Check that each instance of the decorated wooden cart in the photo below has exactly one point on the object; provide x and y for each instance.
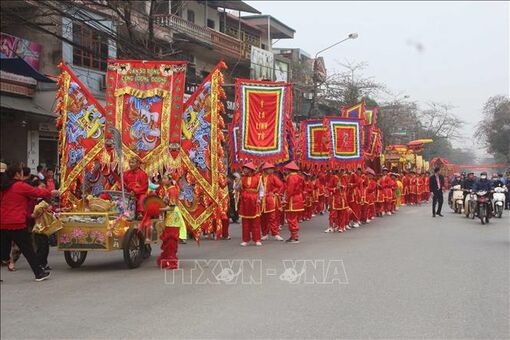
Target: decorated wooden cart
(85, 231)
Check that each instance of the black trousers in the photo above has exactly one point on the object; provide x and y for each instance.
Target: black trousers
(42, 248)
(437, 199)
(24, 242)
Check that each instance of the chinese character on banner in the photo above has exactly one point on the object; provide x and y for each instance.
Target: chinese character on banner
(145, 102)
(264, 118)
(344, 142)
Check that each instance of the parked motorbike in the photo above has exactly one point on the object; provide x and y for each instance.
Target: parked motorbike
(498, 198)
(457, 201)
(483, 205)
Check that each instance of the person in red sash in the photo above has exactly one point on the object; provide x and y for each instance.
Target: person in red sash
(272, 188)
(321, 193)
(252, 193)
(413, 188)
(427, 185)
(392, 183)
(386, 186)
(137, 182)
(294, 204)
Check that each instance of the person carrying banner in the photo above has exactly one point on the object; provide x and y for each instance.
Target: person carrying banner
(250, 201)
(293, 199)
(272, 188)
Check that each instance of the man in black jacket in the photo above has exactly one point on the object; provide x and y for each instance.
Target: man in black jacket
(436, 186)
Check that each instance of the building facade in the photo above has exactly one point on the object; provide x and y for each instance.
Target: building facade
(84, 36)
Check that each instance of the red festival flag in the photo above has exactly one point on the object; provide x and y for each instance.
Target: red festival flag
(145, 102)
(264, 118)
(81, 123)
(344, 141)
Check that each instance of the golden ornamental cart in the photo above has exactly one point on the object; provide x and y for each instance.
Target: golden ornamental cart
(110, 230)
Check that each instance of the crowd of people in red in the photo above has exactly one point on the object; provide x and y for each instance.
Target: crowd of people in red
(268, 198)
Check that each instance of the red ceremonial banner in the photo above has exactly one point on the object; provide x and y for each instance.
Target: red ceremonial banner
(202, 178)
(81, 124)
(264, 118)
(145, 102)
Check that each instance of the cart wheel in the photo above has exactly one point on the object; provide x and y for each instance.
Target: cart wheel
(147, 251)
(134, 248)
(75, 258)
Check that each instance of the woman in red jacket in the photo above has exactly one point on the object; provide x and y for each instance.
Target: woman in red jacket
(14, 197)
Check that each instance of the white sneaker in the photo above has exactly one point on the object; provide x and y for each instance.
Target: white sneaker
(313, 215)
(244, 244)
(329, 230)
(383, 213)
(368, 221)
(355, 225)
(278, 238)
(258, 243)
(389, 213)
(265, 237)
(347, 227)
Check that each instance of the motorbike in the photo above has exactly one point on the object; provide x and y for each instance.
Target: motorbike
(470, 205)
(498, 198)
(457, 200)
(483, 205)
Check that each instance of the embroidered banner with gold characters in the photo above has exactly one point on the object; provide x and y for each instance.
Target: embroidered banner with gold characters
(314, 143)
(264, 112)
(145, 102)
(202, 178)
(81, 124)
(344, 139)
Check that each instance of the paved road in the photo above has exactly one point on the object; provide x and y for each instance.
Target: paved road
(403, 276)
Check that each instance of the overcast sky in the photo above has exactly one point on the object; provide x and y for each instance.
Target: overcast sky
(450, 52)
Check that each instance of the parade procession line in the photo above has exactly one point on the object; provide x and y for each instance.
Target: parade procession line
(401, 276)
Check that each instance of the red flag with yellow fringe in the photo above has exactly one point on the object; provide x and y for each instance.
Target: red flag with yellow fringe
(144, 101)
(81, 124)
(204, 195)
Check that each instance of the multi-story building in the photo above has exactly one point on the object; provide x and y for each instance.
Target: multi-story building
(84, 36)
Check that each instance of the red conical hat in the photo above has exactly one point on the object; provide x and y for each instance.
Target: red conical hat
(292, 166)
(250, 165)
(267, 166)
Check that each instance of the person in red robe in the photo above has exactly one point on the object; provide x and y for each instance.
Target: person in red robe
(404, 196)
(294, 203)
(413, 188)
(252, 193)
(137, 182)
(386, 185)
(272, 188)
(379, 196)
(308, 197)
(371, 190)
(355, 188)
(339, 208)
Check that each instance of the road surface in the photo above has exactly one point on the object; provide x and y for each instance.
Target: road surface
(402, 276)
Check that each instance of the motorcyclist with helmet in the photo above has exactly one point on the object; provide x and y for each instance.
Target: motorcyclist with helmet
(484, 184)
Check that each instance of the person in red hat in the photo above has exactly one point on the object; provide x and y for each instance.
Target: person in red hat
(413, 188)
(308, 198)
(136, 181)
(294, 204)
(370, 198)
(272, 188)
(355, 188)
(250, 202)
(379, 196)
(386, 185)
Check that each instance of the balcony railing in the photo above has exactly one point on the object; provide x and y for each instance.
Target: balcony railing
(223, 43)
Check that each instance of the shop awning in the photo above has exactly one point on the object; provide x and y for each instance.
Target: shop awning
(21, 67)
(23, 105)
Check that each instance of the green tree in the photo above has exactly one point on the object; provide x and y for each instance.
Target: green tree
(494, 128)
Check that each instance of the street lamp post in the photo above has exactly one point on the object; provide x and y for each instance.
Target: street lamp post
(312, 105)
